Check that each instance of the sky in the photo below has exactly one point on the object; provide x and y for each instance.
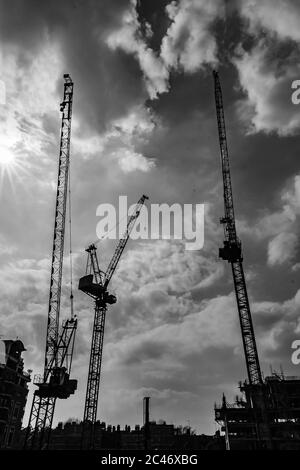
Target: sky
(144, 122)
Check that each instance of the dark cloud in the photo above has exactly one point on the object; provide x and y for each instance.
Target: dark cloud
(153, 13)
(107, 82)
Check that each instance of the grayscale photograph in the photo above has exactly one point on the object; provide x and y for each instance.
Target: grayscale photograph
(149, 229)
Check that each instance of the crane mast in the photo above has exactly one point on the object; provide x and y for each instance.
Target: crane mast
(98, 291)
(55, 382)
(59, 226)
(232, 249)
(232, 252)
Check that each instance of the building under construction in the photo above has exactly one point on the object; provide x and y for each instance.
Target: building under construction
(13, 391)
(241, 421)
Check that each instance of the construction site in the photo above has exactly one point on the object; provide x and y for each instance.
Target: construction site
(265, 416)
(243, 421)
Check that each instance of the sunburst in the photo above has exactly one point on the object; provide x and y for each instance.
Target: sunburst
(11, 167)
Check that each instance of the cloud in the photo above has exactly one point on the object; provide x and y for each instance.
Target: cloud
(280, 227)
(121, 140)
(278, 325)
(107, 82)
(266, 73)
(284, 226)
(129, 38)
(167, 264)
(282, 248)
(173, 342)
(131, 161)
(269, 66)
(280, 17)
(29, 97)
(189, 43)
(126, 135)
(25, 280)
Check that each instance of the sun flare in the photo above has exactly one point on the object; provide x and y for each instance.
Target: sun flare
(7, 158)
(11, 167)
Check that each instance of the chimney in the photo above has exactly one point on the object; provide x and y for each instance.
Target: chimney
(146, 411)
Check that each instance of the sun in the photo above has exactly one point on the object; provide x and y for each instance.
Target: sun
(10, 166)
(7, 158)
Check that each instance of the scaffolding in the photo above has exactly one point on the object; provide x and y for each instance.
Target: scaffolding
(241, 420)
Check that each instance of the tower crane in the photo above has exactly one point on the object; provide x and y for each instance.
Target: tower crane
(232, 252)
(95, 284)
(55, 381)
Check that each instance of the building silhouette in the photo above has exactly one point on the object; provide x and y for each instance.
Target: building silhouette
(161, 436)
(13, 392)
(241, 421)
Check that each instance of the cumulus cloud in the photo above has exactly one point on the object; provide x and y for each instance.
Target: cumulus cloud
(267, 70)
(128, 37)
(131, 161)
(280, 17)
(23, 136)
(189, 42)
(285, 226)
(121, 140)
(196, 332)
(266, 76)
(278, 325)
(280, 227)
(169, 266)
(25, 280)
(282, 248)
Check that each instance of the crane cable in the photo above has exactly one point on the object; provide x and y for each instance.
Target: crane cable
(70, 249)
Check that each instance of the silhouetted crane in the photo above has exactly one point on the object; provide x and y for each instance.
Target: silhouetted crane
(95, 284)
(55, 382)
(232, 252)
